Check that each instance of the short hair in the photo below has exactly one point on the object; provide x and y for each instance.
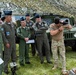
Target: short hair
(56, 20)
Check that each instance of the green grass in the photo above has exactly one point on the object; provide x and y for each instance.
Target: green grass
(35, 68)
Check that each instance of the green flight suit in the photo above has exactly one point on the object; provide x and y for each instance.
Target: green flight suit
(23, 47)
(1, 43)
(33, 46)
(9, 37)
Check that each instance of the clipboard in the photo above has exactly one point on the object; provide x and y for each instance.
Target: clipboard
(1, 61)
(30, 41)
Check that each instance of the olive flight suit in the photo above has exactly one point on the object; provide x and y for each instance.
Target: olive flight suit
(41, 39)
(23, 47)
(9, 37)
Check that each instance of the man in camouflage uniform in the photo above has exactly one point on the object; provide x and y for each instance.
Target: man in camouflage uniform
(1, 43)
(9, 40)
(58, 42)
(40, 28)
(29, 23)
(23, 33)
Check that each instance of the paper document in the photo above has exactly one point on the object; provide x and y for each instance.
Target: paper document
(1, 61)
(30, 41)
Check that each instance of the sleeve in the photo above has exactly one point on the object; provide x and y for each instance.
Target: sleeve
(34, 27)
(5, 40)
(19, 33)
(29, 33)
(68, 26)
(32, 22)
(51, 27)
(37, 31)
(46, 26)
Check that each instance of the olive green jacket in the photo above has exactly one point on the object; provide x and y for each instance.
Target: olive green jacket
(9, 33)
(23, 32)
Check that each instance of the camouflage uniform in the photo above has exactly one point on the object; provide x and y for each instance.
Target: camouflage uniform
(55, 46)
(58, 44)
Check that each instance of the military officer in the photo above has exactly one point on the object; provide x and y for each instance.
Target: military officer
(23, 33)
(9, 40)
(58, 42)
(29, 23)
(40, 28)
(1, 43)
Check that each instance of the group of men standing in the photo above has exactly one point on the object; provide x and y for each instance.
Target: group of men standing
(27, 31)
(37, 31)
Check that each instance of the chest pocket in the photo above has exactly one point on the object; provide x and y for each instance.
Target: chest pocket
(25, 32)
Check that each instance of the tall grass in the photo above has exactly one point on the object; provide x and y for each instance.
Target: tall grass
(36, 68)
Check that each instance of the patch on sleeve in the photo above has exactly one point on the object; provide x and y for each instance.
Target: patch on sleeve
(2, 29)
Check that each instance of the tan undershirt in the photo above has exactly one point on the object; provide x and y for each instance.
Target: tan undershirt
(58, 36)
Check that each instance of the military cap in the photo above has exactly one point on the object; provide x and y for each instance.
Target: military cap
(37, 16)
(0, 14)
(27, 14)
(6, 13)
(22, 19)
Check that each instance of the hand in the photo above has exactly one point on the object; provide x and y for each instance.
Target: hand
(61, 28)
(70, 27)
(26, 39)
(8, 45)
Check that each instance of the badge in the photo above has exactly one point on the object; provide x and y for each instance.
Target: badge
(30, 24)
(7, 33)
(2, 29)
